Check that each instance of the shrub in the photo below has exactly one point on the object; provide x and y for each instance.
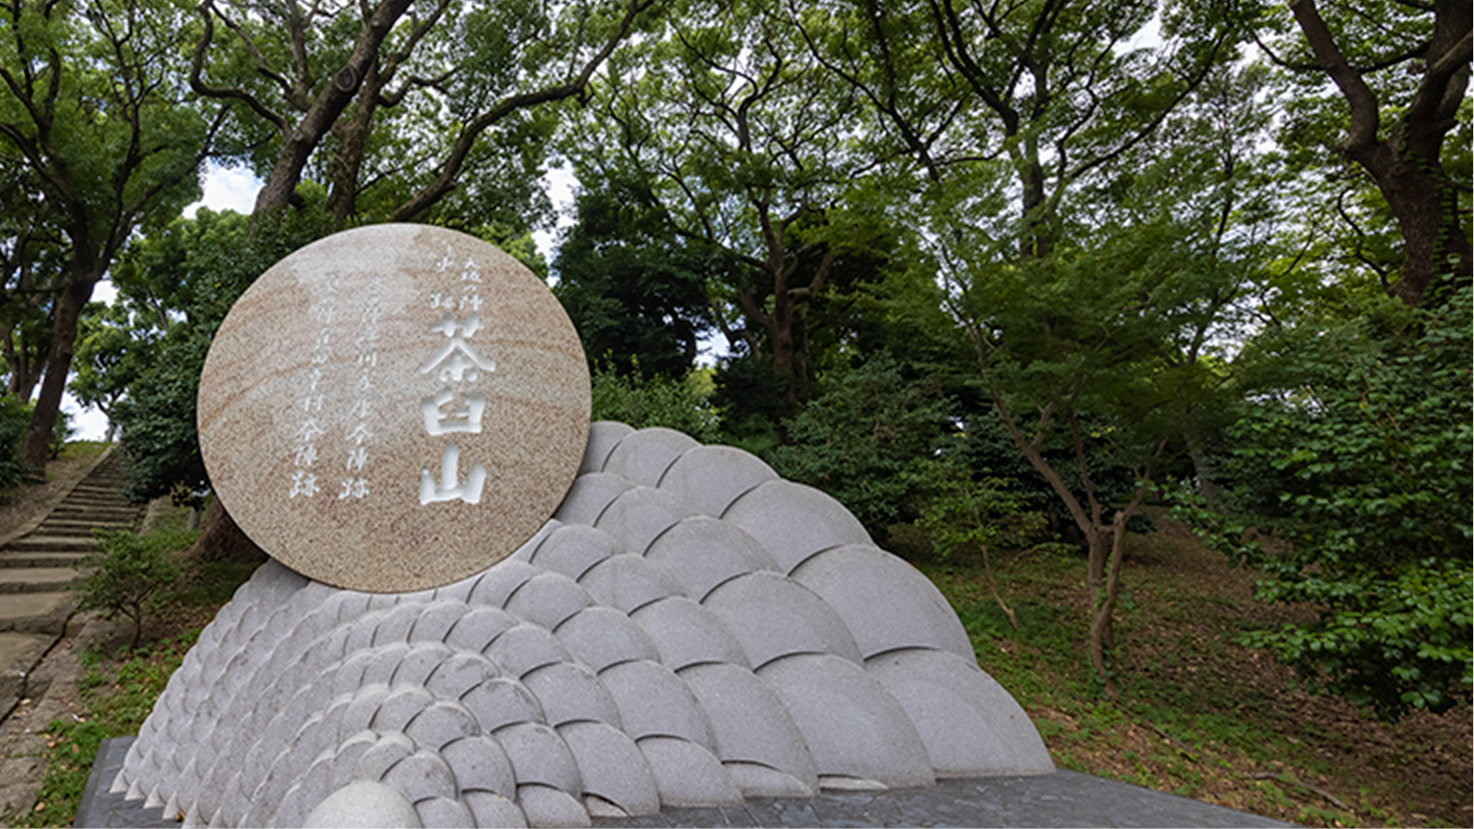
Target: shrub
(874, 440)
(1364, 468)
(130, 573)
(980, 516)
(681, 404)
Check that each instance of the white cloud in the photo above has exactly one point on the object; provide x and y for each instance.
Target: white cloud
(227, 188)
(87, 424)
(559, 184)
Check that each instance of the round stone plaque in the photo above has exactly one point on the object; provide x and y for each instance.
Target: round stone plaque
(394, 408)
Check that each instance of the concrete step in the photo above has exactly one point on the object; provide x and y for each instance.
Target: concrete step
(37, 579)
(36, 612)
(105, 513)
(97, 500)
(112, 485)
(84, 491)
(79, 526)
(103, 480)
(48, 560)
(52, 544)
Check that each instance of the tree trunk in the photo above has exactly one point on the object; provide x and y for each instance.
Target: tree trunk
(1427, 210)
(1201, 468)
(780, 332)
(1102, 621)
(1038, 240)
(1103, 573)
(348, 161)
(20, 383)
(68, 310)
(1405, 160)
(223, 540)
(302, 139)
(1102, 604)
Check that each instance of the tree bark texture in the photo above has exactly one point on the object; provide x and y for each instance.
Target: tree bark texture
(302, 139)
(22, 381)
(87, 268)
(223, 540)
(1405, 161)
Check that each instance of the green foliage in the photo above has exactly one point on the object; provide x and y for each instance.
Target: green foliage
(14, 417)
(118, 697)
(97, 116)
(110, 354)
(1363, 467)
(871, 439)
(726, 133)
(1425, 118)
(994, 461)
(73, 746)
(681, 404)
(753, 401)
(61, 432)
(129, 574)
(635, 295)
(178, 284)
(980, 516)
(158, 421)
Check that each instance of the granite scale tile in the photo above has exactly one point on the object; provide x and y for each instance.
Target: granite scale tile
(394, 408)
(702, 652)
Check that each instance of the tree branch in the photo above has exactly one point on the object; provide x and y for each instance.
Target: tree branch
(198, 84)
(1365, 111)
(445, 179)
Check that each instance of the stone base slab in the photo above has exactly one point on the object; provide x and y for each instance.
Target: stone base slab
(1064, 798)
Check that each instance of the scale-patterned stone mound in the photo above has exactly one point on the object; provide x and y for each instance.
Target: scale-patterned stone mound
(688, 630)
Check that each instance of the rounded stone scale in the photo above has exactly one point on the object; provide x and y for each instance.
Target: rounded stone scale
(394, 408)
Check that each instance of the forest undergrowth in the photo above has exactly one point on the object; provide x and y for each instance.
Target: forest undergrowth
(1198, 714)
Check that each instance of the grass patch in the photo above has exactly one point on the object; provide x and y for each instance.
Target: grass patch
(118, 693)
(82, 450)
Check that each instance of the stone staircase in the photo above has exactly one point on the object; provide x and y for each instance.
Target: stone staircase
(37, 568)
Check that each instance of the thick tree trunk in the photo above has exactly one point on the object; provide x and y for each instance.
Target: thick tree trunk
(1405, 161)
(1038, 241)
(21, 382)
(1426, 206)
(348, 161)
(68, 310)
(785, 346)
(302, 139)
(223, 540)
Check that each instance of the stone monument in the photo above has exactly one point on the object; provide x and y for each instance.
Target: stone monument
(686, 629)
(393, 408)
